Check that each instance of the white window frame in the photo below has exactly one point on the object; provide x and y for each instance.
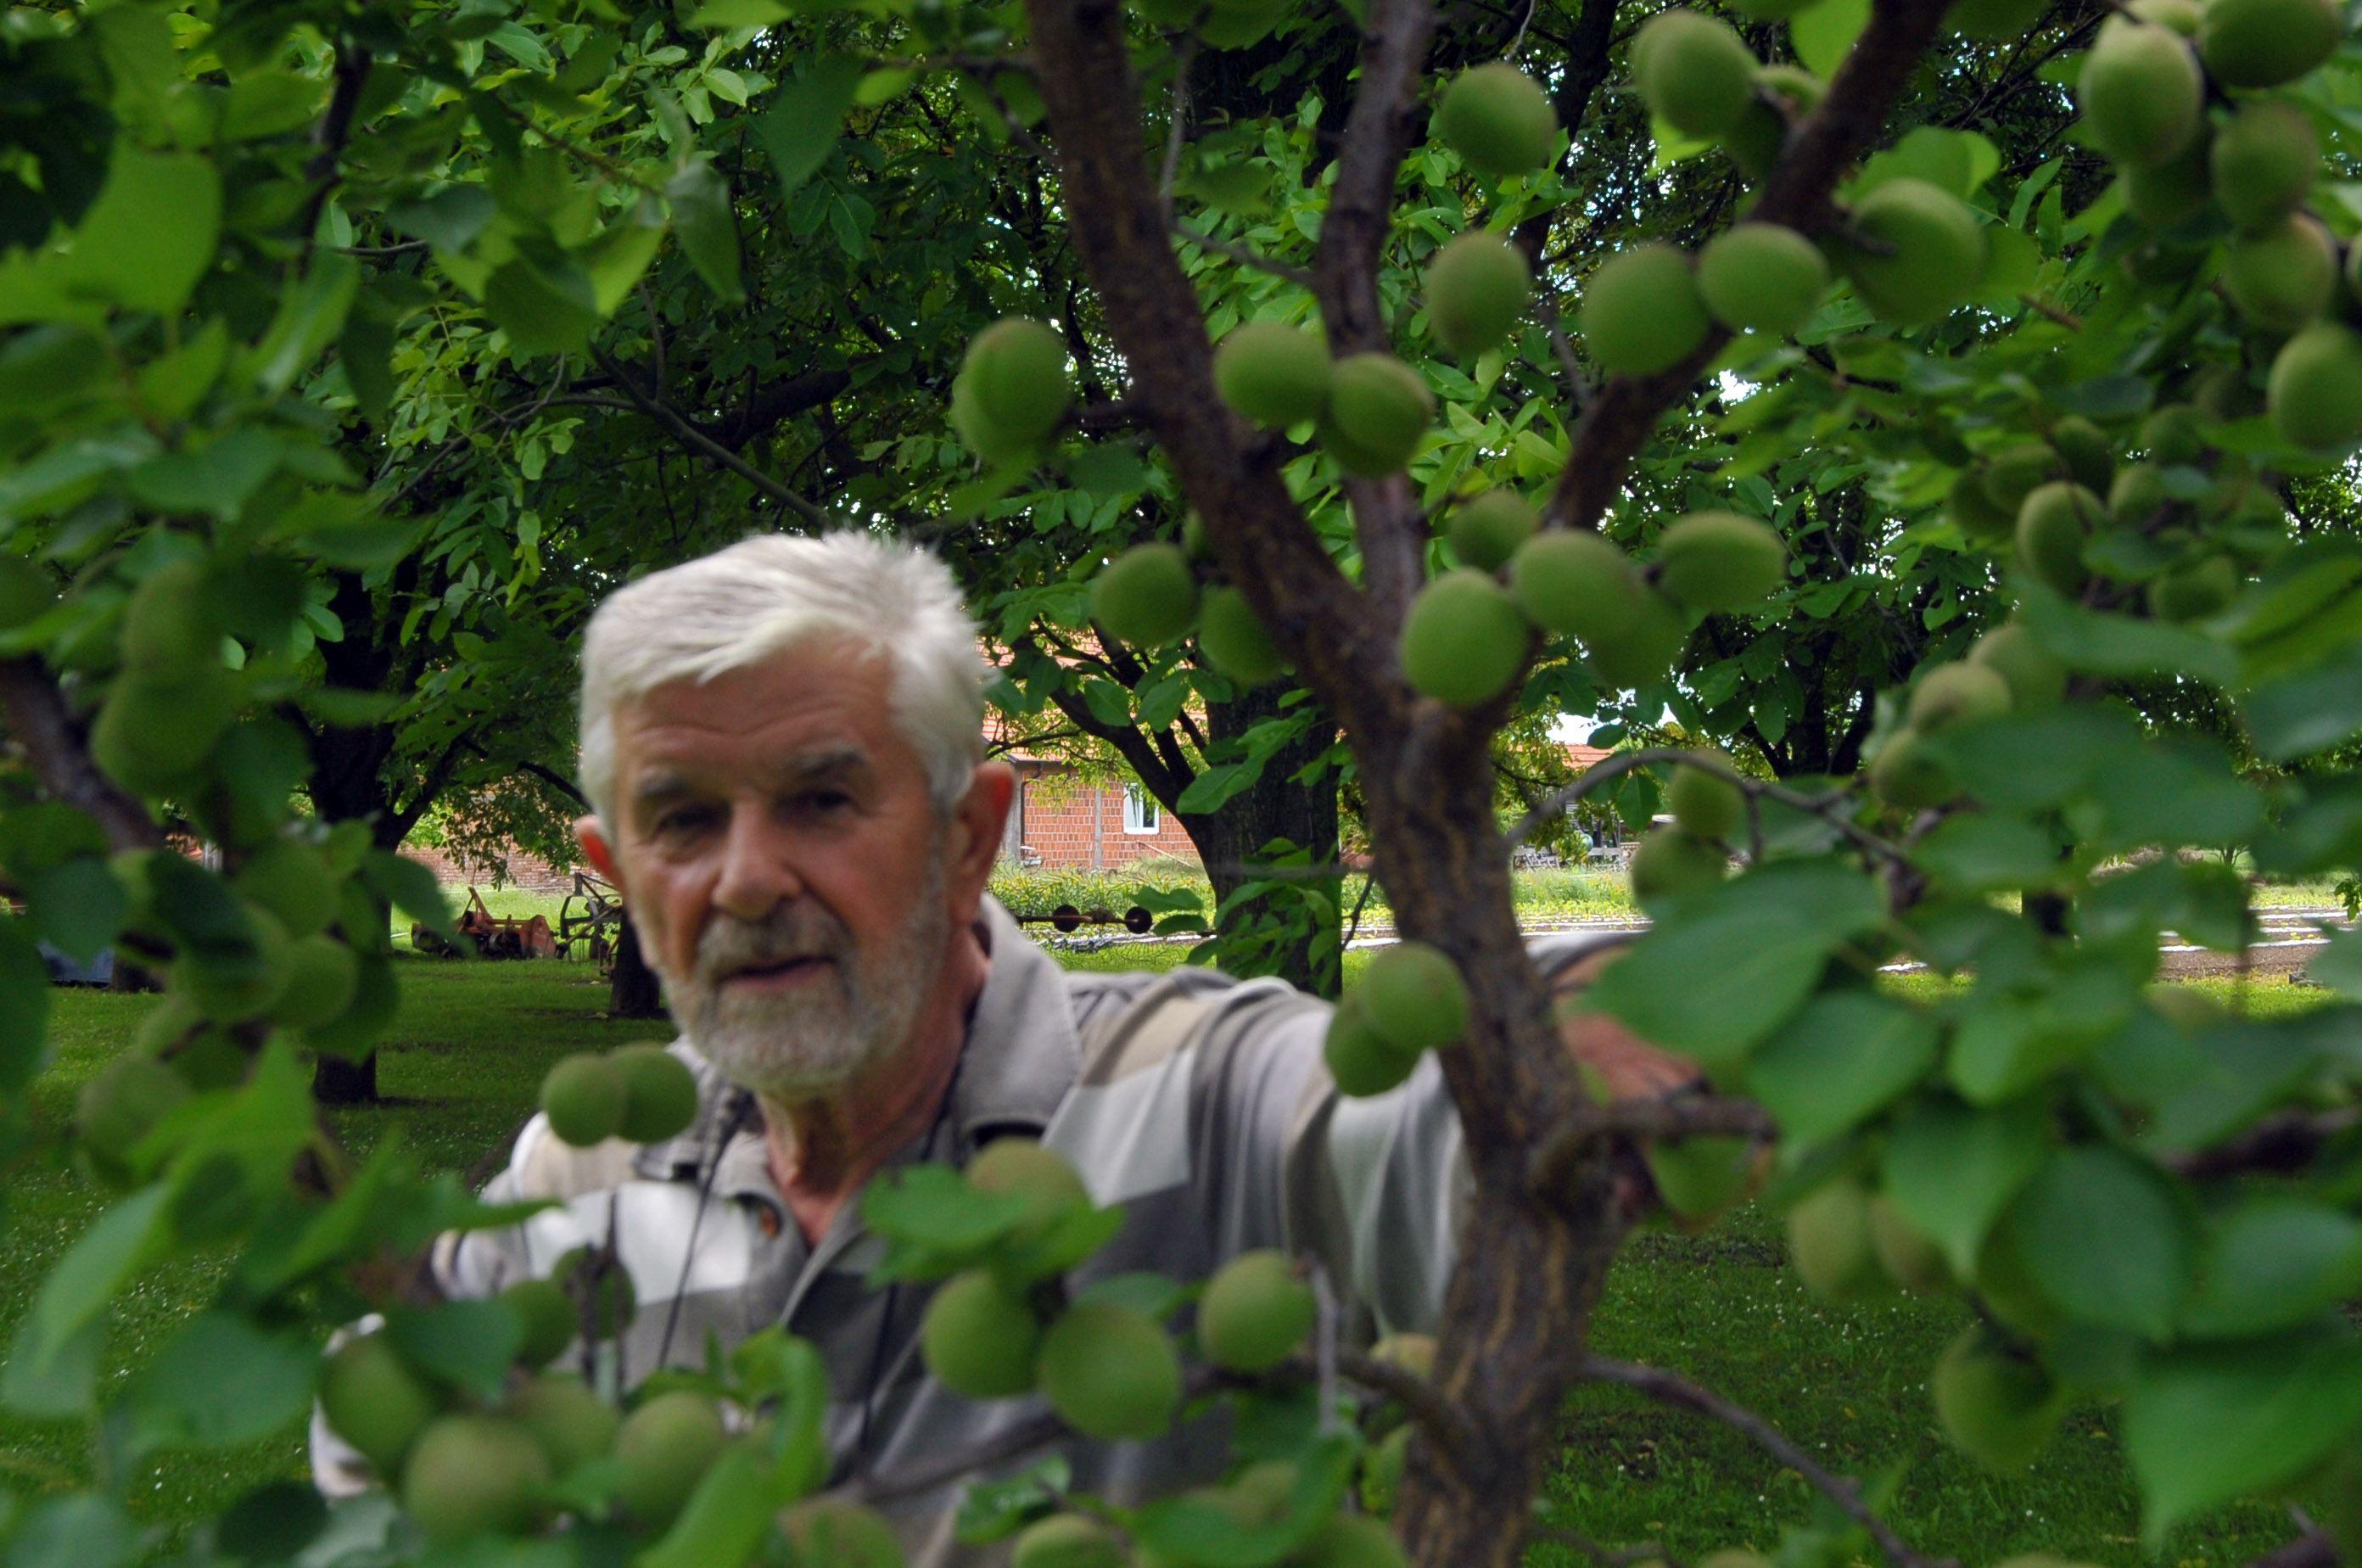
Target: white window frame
(1141, 813)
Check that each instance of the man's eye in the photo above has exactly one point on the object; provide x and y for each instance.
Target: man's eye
(825, 801)
(684, 819)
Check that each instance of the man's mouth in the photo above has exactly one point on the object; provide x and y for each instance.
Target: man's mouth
(776, 971)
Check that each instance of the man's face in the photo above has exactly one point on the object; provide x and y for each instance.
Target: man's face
(784, 865)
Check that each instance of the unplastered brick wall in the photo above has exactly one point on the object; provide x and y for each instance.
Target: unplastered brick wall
(1072, 822)
(530, 872)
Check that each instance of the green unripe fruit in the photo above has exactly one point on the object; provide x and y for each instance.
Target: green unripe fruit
(1488, 529)
(841, 1535)
(291, 879)
(323, 974)
(1273, 373)
(1973, 508)
(1254, 1312)
(2011, 473)
(1720, 561)
(2160, 196)
(1908, 775)
(2263, 163)
(548, 1314)
(572, 1425)
(1234, 639)
(1378, 413)
(373, 1401)
(1067, 1540)
(2283, 276)
(1756, 142)
(1016, 386)
(1925, 253)
(1415, 1353)
(1696, 74)
(230, 990)
(2051, 528)
(470, 1475)
(1994, 18)
(583, 1098)
(1705, 804)
(1477, 286)
(659, 1093)
(1354, 1540)
(1360, 1059)
(154, 733)
(123, 1102)
(1465, 639)
(1996, 1407)
(1761, 277)
(1414, 997)
(2140, 93)
(665, 1446)
(1641, 311)
(603, 1285)
(2084, 448)
(1110, 1373)
(2262, 43)
(1647, 646)
(978, 1340)
(2170, 435)
(2137, 495)
(1574, 580)
(2196, 591)
(1958, 694)
(2314, 396)
(2181, 15)
(1195, 542)
(1023, 1168)
(27, 592)
(1829, 1239)
(2034, 678)
(1670, 863)
(168, 624)
(1700, 1178)
(1910, 1259)
(1145, 596)
(1497, 120)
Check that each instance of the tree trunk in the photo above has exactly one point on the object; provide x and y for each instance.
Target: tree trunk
(345, 786)
(1235, 841)
(634, 992)
(338, 1080)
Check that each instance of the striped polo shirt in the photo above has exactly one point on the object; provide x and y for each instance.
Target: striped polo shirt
(1199, 1103)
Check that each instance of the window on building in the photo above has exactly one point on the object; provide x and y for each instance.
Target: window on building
(1140, 812)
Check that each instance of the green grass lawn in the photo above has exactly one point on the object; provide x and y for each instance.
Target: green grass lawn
(472, 1041)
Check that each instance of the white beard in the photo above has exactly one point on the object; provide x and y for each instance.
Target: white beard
(790, 1045)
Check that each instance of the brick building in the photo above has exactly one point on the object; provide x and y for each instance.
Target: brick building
(1061, 821)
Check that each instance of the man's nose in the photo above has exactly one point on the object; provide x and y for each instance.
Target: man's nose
(758, 871)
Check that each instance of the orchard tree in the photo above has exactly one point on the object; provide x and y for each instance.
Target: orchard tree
(1425, 488)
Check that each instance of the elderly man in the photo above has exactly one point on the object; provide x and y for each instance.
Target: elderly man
(781, 746)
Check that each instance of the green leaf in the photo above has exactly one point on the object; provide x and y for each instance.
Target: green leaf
(24, 1008)
(221, 1380)
(1823, 33)
(724, 1519)
(801, 124)
(2307, 711)
(2339, 964)
(447, 220)
(310, 318)
(410, 888)
(1839, 1062)
(2037, 760)
(1952, 1170)
(708, 229)
(933, 1207)
(78, 905)
(995, 1510)
(543, 309)
(171, 383)
(2205, 1426)
(469, 1344)
(2004, 1045)
(2273, 1265)
(151, 233)
(1762, 966)
(1980, 853)
(2121, 645)
(2173, 791)
(2101, 1235)
(217, 478)
(618, 258)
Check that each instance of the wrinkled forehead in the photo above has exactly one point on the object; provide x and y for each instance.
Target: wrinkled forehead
(825, 700)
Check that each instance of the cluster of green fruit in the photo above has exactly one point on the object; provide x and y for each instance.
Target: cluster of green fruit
(2007, 670)
(2189, 174)
(643, 1093)
(1369, 411)
(1149, 596)
(1259, 1496)
(1468, 633)
(1410, 1000)
(1012, 390)
(1693, 850)
(171, 700)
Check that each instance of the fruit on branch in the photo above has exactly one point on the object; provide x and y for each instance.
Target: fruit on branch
(1907, 774)
(548, 1314)
(1067, 1540)
(370, 1398)
(1761, 277)
(1025, 1168)
(1360, 1059)
(1463, 640)
(2140, 92)
(1996, 1405)
(2170, 435)
(1970, 505)
(1669, 863)
(2283, 276)
(1234, 639)
(1961, 693)
(1829, 1238)
(1994, 18)
(2034, 678)
(1377, 414)
(2263, 162)
(2314, 395)
(977, 1338)
(583, 1098)
(664, 1448)
(1574, 580)
(572, 1425)
(1641, 312)
(1720, 561)
(1414, 997)
(1784, 93)
(1910, 1259)
(123, 1102)
(1499, 120)
(1694, 71)
(2160, 196)
(1477, 286)
(2263, 43)
(1146, 596)
(2052, 525)
(291, 878)
(231, 988)
(2181, 15)
(169, 622)
(470, 1475)
(1705, 804)
(2091, 462)
(1647, 649)
(323, 974)
(1110, 1373)
(1354, 1540)
(841, 1534)
(2012, 473)
(1254, 1312)
(1273, 373)
(1701, 1177)
(1914, 250)
(2194, 592)
(154, 732)
(1013, 389)
(1486, 530)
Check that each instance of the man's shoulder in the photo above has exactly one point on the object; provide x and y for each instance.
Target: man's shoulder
(1134, 1021)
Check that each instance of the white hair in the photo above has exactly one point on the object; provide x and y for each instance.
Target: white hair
(739, 607)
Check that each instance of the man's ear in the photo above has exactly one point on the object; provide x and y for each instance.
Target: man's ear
(597, 850)
(974, 841)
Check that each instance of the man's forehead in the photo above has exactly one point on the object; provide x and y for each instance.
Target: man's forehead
(809, 707)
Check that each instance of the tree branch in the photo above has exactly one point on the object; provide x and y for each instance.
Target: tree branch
(704, 445)
(37, 718)
(1671, 1117)
(1836, 808)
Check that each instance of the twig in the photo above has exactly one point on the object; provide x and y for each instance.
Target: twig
(696, 440)
(1243, 255)
(1353, 926)
(37, 719)
(1834, 808)
(1674, 1116)
(1452, 1432)
(1671, 1388)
